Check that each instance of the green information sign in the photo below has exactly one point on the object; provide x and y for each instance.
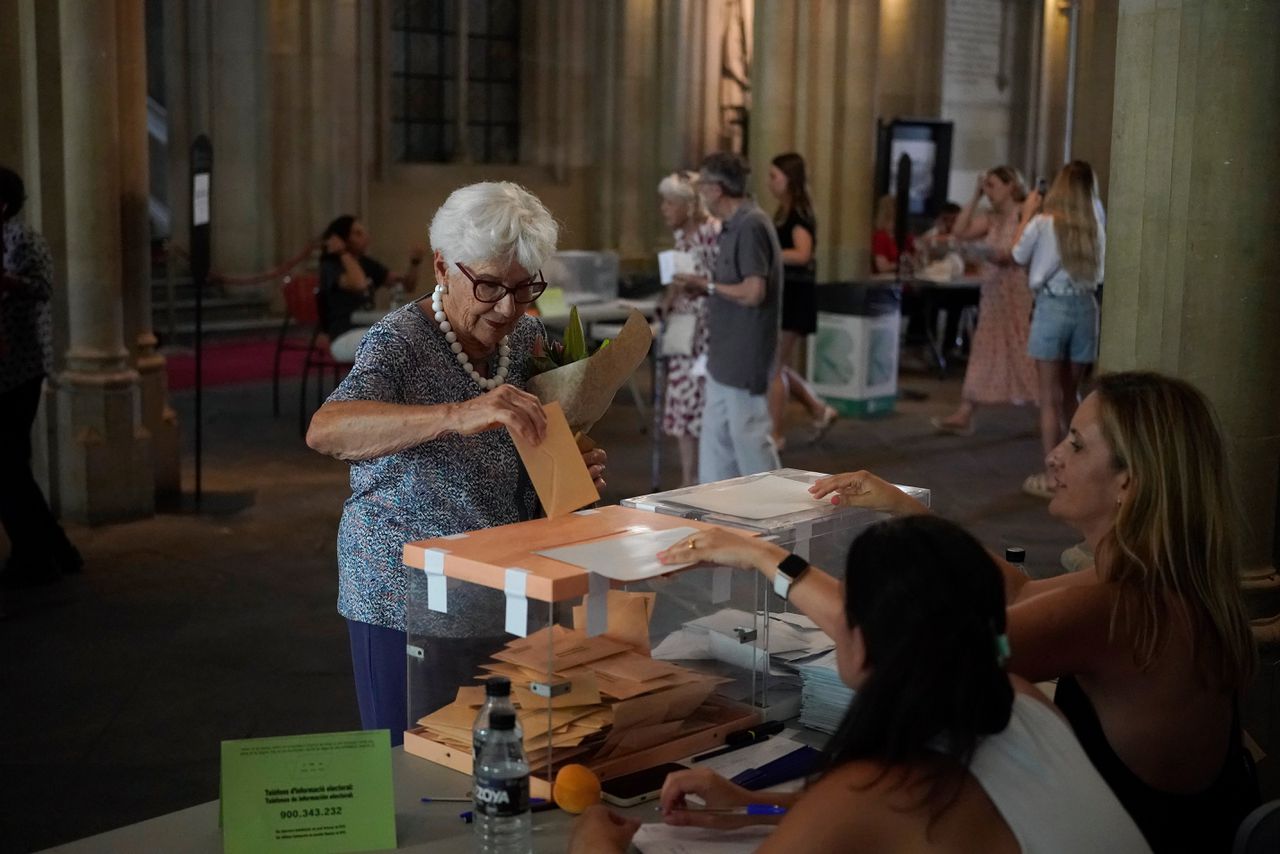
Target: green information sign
(320, 794)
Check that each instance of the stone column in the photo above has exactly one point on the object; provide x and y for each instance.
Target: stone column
(814, 88)
(1190, 290)
(104, 456)
(159, 418)
(1095, 88)
(911, 47)
(242, 229)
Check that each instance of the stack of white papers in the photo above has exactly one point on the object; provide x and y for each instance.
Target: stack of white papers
(792, 643)
(824, 699)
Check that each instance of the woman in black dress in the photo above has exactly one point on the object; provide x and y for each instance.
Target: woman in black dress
(797, 234)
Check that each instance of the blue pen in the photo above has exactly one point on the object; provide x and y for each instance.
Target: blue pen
(749, 809)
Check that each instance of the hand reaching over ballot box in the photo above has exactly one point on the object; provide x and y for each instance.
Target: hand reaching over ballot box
(723, 547)
(864, 489)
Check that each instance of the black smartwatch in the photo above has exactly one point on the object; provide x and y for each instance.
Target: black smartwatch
(790, 570)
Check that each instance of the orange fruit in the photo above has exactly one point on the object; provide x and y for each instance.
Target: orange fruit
(576, 788)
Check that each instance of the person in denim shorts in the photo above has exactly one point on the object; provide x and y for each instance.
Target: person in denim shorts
(1063, 246)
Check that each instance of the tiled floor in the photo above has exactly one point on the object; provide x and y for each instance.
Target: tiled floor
(185, 629)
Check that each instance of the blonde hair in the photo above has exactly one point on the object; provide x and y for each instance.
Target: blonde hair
(886, 212)
(1072, 201)
(1175, 541)
(1012, 177)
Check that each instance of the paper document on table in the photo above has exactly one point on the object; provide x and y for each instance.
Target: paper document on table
(629, 557)
(657, 838)
(672, 263)
(730, 765)
(762, 498)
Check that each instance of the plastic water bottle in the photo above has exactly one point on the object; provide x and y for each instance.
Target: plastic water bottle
(497, 697)
(500, 788)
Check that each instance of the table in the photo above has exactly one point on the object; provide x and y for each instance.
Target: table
(593, 310)
(953, 296)
(427, 828)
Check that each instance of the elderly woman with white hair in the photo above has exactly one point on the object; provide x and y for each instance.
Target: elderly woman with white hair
(425, 418)
(684, 343)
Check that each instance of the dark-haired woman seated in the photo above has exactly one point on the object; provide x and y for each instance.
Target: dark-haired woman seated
(1151, 646)
(941, 750)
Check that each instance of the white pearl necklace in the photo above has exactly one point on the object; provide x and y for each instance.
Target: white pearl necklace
(504, 348)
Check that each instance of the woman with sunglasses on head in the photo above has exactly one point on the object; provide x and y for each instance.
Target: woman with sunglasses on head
(1151, 646)
(425, 418)
(940, 750)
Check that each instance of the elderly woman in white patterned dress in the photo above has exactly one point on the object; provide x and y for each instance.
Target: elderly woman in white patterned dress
(425, 418)
(685, 343)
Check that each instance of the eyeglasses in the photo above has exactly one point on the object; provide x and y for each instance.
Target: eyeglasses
(490, 290)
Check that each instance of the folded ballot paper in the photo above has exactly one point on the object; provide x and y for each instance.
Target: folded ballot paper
(799, 654)
(672, 263)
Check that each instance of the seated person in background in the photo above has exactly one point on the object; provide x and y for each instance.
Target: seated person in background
(348, 278)
(885, 250)
(939, 244)
(1152, 646)
(940, 750)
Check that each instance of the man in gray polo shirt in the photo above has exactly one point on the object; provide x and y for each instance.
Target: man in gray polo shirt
(745, 291)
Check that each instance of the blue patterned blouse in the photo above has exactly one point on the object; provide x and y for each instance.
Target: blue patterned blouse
(447, 486)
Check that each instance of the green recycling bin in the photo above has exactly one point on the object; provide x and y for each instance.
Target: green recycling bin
(853, 357)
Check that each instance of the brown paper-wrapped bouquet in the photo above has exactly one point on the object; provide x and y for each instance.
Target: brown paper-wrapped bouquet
(585, 384)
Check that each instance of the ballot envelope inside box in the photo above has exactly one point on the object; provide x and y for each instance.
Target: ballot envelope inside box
(571, 610)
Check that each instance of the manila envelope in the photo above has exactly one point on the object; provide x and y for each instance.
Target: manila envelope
(556, 468)
(628, 618)
(583, 691)
(565, 653)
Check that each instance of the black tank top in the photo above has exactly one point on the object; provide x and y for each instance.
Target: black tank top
(1205, 821)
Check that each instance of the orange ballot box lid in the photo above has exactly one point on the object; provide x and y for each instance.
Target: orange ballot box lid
(617, 542)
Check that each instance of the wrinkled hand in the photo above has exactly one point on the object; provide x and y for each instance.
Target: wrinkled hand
(504, 406)
(864, 489)
(599, 830)
(716, 793)
(596, 460)
(722, 547)
(333, 244)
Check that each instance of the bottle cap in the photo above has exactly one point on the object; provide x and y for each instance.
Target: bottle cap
(497, 686)
(502, 720)
(1015, 554)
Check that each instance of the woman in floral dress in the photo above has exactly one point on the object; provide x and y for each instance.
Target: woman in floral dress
(999, 371)
(684, 343)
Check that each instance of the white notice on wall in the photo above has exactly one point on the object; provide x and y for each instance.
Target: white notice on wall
(200, 199)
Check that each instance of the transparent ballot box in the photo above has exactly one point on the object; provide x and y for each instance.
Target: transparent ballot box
(776, 505)
(616, 661)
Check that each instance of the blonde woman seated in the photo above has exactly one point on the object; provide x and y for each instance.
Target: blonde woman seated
(1152, 646)
(941, 750)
